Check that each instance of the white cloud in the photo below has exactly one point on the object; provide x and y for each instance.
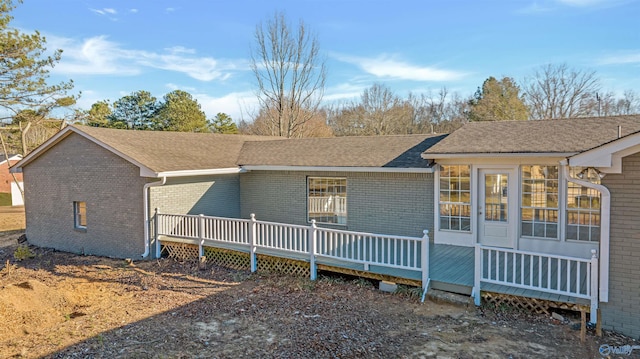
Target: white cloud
(386, 66)
(582, 3)
(343, 92)
(93, 56)
(238, 105)
(105, 11)
(628, 58)
(133, 11)
(536, 8)
(173, 87)
(99, 56)
(594, 3)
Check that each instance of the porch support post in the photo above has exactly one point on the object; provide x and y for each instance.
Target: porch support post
(477, 274)
(424, 260)
(313, 232)
(252, 243)
(200, 235)
(156, 229)
(593, 318)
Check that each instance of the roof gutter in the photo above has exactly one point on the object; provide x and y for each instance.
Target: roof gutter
(145, 172)
(605, 225)
(338, 169)
(145, 195)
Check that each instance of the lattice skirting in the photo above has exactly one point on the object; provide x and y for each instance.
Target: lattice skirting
(181, 251)
(532, 305)
(283, 265)
(228, 258)
(237, 260)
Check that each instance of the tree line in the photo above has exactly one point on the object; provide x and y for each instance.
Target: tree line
(290, 75)
(178, 111)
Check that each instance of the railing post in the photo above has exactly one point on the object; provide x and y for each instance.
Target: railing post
(313, 232)
(252, 243)
(200, 235)
(477, 274)
(156, 229)
(424, 260)
(593, 318)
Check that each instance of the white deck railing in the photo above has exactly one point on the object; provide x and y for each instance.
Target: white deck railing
(563, 275)
(368, 249)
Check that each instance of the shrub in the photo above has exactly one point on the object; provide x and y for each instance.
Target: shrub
(23, 252)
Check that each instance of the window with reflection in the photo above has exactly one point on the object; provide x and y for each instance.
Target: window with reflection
(327, 200)
(455, 198)
(539, 206)
(583, 207)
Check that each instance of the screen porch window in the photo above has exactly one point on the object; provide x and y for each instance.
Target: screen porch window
(583, 207)
(539, 206)
(80, 215)
(327, 200)
(455, 198)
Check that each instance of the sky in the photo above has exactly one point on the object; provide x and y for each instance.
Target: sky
(114, 48)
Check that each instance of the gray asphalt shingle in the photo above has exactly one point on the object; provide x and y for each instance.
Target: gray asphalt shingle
(546, 136)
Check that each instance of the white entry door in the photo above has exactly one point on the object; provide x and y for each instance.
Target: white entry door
(497, 207)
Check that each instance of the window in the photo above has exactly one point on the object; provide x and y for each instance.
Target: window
(539, 207)
(583, 207)
(455, 198)
(327, 200)
(80, 215)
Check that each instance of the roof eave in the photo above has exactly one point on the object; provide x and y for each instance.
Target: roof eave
(338, 169)
(437, 156)
(65, 133)
(608, 157)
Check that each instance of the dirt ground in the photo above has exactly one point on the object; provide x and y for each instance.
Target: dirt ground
(60, 305)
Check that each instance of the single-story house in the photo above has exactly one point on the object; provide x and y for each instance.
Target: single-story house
(7, 182)
(542, 207)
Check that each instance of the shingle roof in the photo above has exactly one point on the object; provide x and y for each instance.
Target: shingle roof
(547, 136)
(402, 151)
(173, 151)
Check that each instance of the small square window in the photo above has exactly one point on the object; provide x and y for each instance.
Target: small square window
(80, 215)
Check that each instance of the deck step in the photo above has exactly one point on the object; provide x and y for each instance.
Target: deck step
(440, 296)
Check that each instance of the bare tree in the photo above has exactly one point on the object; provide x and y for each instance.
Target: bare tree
(290, 75)
(380, 112)
(315, 126)
(610, 105)
(557, 91)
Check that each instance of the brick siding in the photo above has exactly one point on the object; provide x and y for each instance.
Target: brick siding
(385, 203)
(77, 169)
(212, 196)
(6, 178)
(622, 312)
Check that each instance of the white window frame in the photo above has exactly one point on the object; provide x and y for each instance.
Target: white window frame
(459, 204)
(533, 207)
(335, 203)
(593, 230)
(80, 215)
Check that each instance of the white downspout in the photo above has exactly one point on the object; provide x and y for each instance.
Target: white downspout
(605, 225)
(145, 195)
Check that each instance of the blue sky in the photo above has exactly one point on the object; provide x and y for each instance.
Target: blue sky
(113, 48)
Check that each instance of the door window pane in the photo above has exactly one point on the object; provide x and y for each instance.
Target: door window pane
(496, 197)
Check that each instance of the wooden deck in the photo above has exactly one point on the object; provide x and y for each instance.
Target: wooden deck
(452, 269)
